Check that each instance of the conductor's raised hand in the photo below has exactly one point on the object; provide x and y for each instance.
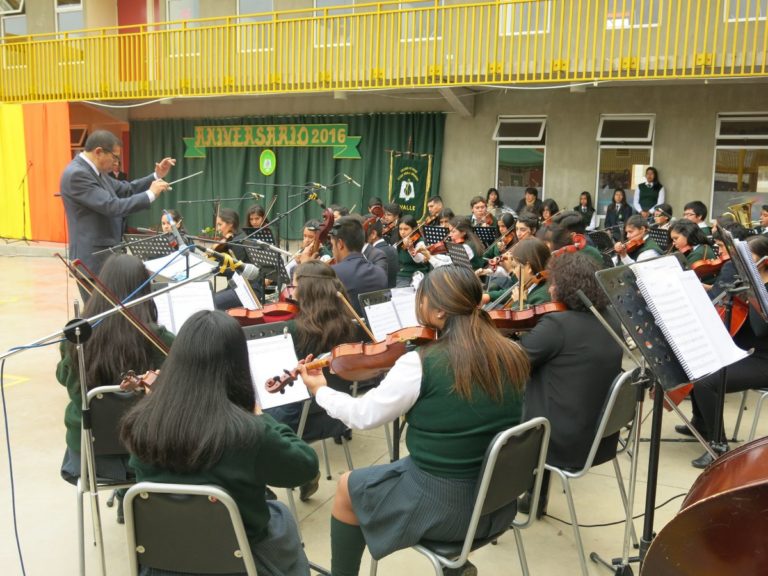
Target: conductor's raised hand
(164, 166)
(158, 187)
(314, 379)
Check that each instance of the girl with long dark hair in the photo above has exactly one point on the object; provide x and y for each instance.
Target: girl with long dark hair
(587, 211)
(201, 425)
(649, 194)
(617, 214)
(465, 385)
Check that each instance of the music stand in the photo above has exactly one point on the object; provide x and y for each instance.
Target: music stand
(268, 260)
(150, 247)
(602, 240)
(487, 234)
(747, 271)
(263, 234)
(661, 237)
(458, 255)
(434, 234)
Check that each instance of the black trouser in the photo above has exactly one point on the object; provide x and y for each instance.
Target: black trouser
(748, 374)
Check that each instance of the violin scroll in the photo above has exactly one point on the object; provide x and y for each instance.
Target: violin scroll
(131, 382)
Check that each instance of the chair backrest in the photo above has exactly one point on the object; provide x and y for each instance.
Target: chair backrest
(618, 412)
(107, 405)
(185, 528)
(513, 464)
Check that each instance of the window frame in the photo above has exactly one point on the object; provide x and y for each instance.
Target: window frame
(628, 194)
(540, 139)
(746, 117)
(628, 23)
(432, 37)
(12, 12)
(728, 19)
(253, 18)
(334, 10)
(69, 9)
(504, 29)
(611, 140)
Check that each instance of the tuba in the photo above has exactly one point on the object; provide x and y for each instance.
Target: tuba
(742, 213)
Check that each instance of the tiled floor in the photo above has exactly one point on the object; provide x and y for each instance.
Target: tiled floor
(35, 300)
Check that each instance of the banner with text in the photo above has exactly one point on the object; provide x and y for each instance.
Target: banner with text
(274, 136)
(410, 179)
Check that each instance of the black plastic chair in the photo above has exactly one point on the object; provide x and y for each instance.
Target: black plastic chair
(186, 528)
(513, 465)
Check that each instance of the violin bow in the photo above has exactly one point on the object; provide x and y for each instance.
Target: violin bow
(356, 316)
(87, 276)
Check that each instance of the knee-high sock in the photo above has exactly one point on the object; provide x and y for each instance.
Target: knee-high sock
(347, 547)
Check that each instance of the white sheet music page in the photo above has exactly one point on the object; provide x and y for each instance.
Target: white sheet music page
(174, 266)
(382, 319)
(404, 300)
(165, 312)
(268, 358)
(689, 323)
(244, 292)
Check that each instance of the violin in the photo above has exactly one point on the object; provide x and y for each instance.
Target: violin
(376, 213)
(221, 245)
(389, 227)
(710, 266)
(275, 312)
(631, 245)
(131, 382)
(579, 243)
(722, 523)
(437, 248)
(288, 294)
(507, 241)
(534, 280)
(360, 361)
(525, 319)
(322, 233)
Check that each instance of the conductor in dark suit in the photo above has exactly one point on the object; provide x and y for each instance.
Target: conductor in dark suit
(95, 204)
(356, 273)
(574, 362)
(376, 240)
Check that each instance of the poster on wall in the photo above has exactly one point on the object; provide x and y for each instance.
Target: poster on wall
(410, 179)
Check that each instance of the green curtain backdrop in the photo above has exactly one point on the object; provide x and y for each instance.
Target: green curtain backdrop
(226, 170)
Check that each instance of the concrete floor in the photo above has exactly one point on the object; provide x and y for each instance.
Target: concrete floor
(35, 300)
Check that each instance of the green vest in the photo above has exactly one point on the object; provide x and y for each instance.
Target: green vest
(648, 196)
(407, 266)
(539, 295)
(448, 435)
(594, 253)
(648, 244)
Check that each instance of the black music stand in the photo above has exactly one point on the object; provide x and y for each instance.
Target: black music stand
(434, 234)
(458, 255)
(263, 234)
(487, 234)
(602, 240)
(661, 237)
(150, 247)
(666, 372)
(268, 260)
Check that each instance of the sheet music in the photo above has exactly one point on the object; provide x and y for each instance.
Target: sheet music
(244, 292)
(176, 269)
(175, 307)
(268, 358)
(754, 276)
(404, 301)
(688, 320)
(383, 319)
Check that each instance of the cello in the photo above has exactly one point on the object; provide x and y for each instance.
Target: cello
(721, 527)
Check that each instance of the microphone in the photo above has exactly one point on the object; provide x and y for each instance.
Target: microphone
(174, 229)
(318, 185)
(257, 196)
(352, 180)
(226, 262)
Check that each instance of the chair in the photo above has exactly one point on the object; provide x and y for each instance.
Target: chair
(758, 407)
(106, 406)
(513, 465)
(619, 411)
(185, 528)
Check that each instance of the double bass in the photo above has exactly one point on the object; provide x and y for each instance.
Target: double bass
(721, 527)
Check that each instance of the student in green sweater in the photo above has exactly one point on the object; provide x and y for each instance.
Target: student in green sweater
(410, 252)
(529, 262)
(688, 238)
(457, 392)
(201, 425)
(115, 347)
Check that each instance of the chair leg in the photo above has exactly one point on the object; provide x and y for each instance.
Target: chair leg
(758, 408)
(624, 501)
(738, 417)
(347, 453)
(433, 559)
(292, 507)
(521, 550)
(574, 521)
(388, 436)
(325, 458)
(80, 530)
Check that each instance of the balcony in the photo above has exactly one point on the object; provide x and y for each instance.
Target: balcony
(389, 45)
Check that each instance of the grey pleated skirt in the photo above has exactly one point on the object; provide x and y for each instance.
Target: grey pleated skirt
(398, 505)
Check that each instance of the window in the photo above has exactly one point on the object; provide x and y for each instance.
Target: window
(632, 13)
(422, 23)
(743, 10)
(11, 7)
(183, 10)
(69, 16)
(520, 154)
(253, 9)
(524, 17)
(332, 31)
(183, 43)
(741, 162)
(255, 38)
(13, 26)
(626, 150)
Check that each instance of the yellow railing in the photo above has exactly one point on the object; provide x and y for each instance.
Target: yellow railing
(388, 45)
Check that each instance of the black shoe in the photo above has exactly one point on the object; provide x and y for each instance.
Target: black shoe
(307, 490)
(685, 431)
(468, 569)
(347, 434)
(706, 459)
